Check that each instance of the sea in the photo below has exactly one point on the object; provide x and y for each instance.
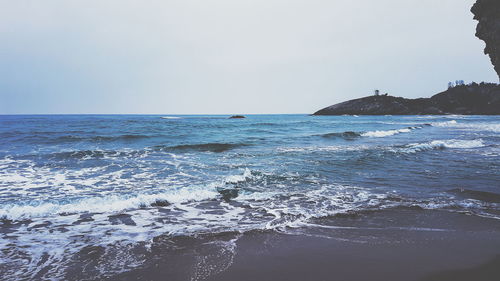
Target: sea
(87, 196)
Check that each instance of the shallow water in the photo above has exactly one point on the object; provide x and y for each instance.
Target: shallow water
(68, 182)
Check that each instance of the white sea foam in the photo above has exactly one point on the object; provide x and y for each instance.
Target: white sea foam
(381, 134)
(300, 207)
(238, 178)
(442, 144)
(445, 124)
(479, 126)
(170, 117)
(177, 191)
(333, 148)
(107, 204)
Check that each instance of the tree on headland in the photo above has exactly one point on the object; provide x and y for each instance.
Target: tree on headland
(456, 84)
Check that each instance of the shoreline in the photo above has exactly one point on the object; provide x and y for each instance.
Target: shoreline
(350, 248)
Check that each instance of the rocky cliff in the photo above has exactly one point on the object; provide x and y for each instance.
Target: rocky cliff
(473, 99)
(487, 13)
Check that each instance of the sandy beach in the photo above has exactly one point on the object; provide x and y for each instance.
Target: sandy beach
(381, 246)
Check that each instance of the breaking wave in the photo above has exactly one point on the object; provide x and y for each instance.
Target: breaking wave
(108, 204)
(119, 203)
(442, 144)
(444, 124)
(350, 135)
(491, 127)
(381, 134)
(92, 154)
(408, 148)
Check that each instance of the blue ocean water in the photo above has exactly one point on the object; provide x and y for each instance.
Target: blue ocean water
(128, 178)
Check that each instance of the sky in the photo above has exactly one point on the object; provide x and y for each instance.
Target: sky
(229, 56)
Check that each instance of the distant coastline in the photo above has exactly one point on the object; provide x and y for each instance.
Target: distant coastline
(471, 99)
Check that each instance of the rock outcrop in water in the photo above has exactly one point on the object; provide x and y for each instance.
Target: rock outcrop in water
(487, 12)
(472, 99)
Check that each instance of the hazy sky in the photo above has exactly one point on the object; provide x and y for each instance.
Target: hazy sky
(229, 56)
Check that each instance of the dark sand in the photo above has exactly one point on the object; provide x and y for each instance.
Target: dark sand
(401, 244)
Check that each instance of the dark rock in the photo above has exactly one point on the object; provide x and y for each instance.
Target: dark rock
(237, 117)
(473, 99)
(228, 194)
(160, 203)
(121, 219)
(487, 13)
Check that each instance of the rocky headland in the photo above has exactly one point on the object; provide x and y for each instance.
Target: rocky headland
(472, 99)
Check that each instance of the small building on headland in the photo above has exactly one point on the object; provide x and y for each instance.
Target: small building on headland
(377, 93)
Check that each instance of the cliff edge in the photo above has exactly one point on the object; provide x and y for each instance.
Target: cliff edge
(487, 13)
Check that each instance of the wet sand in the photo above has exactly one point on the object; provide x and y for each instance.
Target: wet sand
(421, 257)
(386, 245)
